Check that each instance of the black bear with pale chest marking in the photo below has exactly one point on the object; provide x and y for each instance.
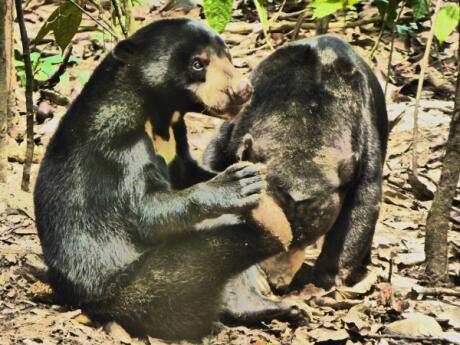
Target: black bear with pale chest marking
(318, 120)
(118, 194)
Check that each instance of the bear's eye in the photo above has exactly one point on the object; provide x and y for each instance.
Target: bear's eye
(197, 65)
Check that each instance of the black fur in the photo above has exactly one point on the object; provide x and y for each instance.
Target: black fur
(116, 224)
(318, 120)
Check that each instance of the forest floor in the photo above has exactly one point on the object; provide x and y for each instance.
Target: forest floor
(390, 301)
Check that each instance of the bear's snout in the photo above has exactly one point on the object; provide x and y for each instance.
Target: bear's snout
(244, 91)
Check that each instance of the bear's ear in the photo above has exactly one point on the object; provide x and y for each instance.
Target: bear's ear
(124, 51)
(298, 195)
(309, 54)
(245, 150)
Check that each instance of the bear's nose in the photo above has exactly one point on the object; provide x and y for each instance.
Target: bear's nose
(245, 90)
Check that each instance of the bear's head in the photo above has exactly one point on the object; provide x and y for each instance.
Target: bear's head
(185, 63)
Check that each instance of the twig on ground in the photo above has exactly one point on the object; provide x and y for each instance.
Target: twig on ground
(295, 32)
(436, 291)
(54, 97)
(404, 337)
(97, 21)
(293, 15)
(241, 28)
(29, 97)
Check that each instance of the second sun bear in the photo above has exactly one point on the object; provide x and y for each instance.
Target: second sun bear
(318, 120)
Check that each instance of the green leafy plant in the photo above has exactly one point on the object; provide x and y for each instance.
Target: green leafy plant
(420, 8)
(64, 23)
(446, 21)
(42, 67)
(388, 10)
(218, 13)
(323, 8)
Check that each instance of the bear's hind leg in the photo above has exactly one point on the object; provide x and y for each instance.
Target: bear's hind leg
(174, 290)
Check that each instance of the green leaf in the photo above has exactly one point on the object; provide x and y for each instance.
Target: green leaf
(324, 8)
(382, 5)
(64, 23)
(22, 77)
(262, 13)
(54, 59)
(34, 57)
(218, 13)
(47, 68)
(446, 21)
(419, 8)
(41, 76)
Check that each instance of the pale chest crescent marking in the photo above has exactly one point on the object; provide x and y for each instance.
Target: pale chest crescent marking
(164, 148)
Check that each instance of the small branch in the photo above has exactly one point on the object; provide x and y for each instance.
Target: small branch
(436, 291)
(116, 8)
(382, 29)
(278, 13)
(293, 15)
(430, 340)
(101, 14)
(102, 25)
(54, 79)
(393, 29)
(241, 27)
(29, 97)
(295, 32)
(423, 65)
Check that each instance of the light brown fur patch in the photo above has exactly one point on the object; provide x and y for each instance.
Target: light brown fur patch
(281, 269)
(221, 80)
(162, 147)
(272, 219)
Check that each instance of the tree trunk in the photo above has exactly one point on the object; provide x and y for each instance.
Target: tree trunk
(437, 225)
(6, 65)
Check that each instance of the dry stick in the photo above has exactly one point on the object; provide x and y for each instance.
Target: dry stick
(117, 10)
(101, 15)
(403, 337)
(98, 22)
(29, 100)
(382, 29)
(278, 13)
(437, 291)
(241, 28)
(423, 66)
(298, 25)
(393, 29)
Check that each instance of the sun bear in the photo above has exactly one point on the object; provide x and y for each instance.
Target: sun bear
(318, 121)
(118, 194)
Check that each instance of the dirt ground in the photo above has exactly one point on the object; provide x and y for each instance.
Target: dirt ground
(390, 305)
